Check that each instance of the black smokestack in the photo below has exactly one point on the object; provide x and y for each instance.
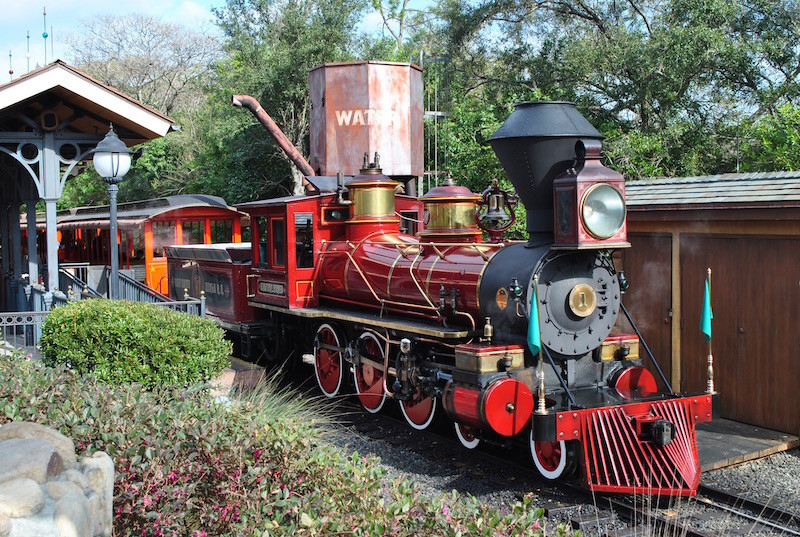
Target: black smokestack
(534, 145)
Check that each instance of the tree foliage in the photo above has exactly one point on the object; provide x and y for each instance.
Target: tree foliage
(158, 63)
(678, 87)
(271, 46)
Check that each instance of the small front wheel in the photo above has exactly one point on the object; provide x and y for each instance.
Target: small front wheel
(553, 459)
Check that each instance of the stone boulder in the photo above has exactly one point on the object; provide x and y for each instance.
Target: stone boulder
(21, 497)
(26, 429)
(33, 458)
(40, 495)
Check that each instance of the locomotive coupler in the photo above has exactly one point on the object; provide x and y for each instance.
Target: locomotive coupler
(660, 431)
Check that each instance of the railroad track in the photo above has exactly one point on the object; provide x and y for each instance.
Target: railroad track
(759, 514)
(711, 513)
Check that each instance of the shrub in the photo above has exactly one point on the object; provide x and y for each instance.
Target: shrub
(190, 467)
(121, 341)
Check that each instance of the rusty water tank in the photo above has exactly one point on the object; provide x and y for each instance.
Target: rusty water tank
(367, 107)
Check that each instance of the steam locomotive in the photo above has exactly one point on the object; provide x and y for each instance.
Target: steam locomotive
(402, 298)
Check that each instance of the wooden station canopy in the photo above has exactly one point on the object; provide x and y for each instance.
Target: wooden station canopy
(50, 120)
(746, 228)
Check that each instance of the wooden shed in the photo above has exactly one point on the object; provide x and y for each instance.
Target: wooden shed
(746, 228)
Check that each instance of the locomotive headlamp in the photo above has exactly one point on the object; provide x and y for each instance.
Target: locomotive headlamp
(602, 211)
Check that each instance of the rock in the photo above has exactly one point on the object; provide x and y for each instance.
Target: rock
(96, 510)
(59, 489)
(26, 429)
(21, 497)
(78, 478)
(5, 525)
(72, 516)
(33, 458)
(99, 470)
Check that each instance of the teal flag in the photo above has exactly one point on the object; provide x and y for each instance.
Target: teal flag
(534, 338)
(706, 315)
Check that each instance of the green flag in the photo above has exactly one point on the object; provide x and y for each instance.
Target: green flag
(534, 338)
(706, 315)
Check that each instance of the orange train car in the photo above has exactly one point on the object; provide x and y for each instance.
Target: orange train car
(145, 229)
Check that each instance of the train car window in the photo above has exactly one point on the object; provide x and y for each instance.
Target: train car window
(409, 222)
(263, 244)
(221, 231)
(192, 231)
(278, 242)
(138, 245)
(304, 239)
(163, 235)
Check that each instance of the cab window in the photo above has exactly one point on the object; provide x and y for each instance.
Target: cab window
(278, 243)
(263, 243)
(304, 240)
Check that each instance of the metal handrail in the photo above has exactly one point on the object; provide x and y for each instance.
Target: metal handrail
(131, 289)
(78, 270)
(79, 287)
(647, 349)
(190, 306)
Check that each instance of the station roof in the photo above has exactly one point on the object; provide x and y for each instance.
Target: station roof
(81, 103)
(730, 190)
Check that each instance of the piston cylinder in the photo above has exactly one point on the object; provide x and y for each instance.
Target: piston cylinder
(503, 406)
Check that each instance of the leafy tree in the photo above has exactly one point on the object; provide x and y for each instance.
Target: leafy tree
(158, 63)
(272, 44)
(667, 82)
(773, 143)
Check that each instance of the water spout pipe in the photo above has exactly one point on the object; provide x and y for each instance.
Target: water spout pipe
(283, 141)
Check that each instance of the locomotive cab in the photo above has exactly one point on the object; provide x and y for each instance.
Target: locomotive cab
(285, 233)
(287, 238)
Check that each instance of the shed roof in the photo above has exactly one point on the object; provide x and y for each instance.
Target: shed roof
(729, 190)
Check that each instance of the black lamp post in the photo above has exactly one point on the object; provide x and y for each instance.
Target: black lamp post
(112, 160)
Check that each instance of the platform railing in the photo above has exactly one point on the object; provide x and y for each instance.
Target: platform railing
(130, 289)
(189, 305)
(77, 288)
(21, 330)
(76, 270)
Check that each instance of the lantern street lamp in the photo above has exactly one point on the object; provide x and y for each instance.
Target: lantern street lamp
(112, 160)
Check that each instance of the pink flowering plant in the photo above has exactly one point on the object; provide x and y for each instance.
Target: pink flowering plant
(188, 466)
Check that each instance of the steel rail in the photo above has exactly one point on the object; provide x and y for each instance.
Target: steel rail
(766, 515)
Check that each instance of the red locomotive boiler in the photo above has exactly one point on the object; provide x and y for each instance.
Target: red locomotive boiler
(436, 317)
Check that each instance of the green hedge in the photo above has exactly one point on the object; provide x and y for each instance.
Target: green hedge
(121, 342)
(186, 466)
